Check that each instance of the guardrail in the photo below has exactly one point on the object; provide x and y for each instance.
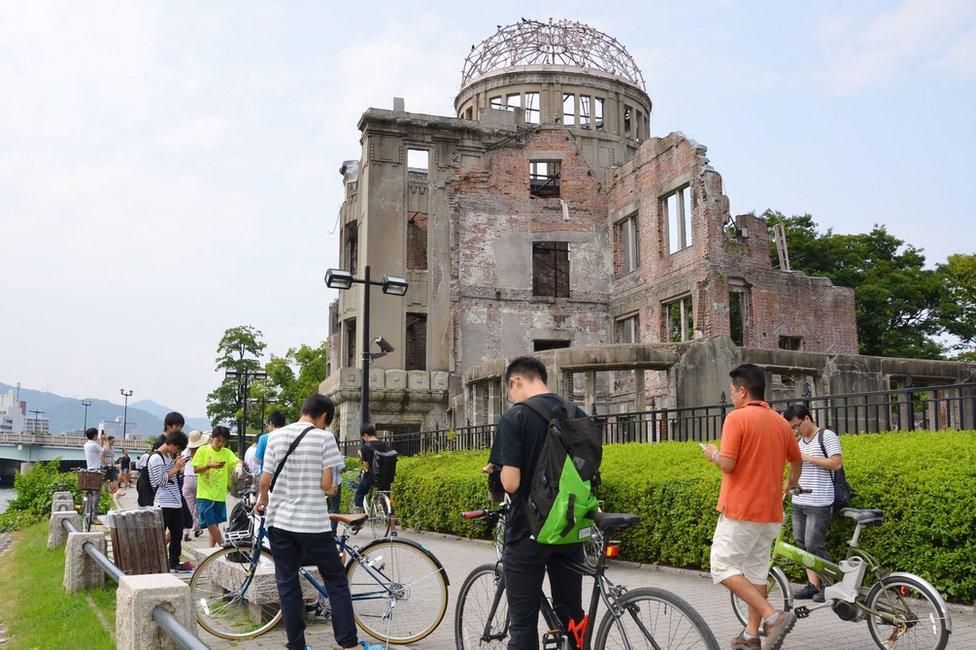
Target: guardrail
(164, 618)
(51, 441)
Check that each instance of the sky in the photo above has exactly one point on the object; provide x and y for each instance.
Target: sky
(170, 169)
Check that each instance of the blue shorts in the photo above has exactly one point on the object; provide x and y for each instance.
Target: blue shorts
(211, 512)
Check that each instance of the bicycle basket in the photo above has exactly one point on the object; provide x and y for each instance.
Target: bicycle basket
(90, 480)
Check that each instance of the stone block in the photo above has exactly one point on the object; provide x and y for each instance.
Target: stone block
(63, 495)
(396, 379)
(377, 378)
(418, 380)
(81, 572)
(136, 598)
(350, 378)
(56, 534)
(62, 504)
(439, 380)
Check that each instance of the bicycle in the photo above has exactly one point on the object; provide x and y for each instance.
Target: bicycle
(645, 617)
(379, 511)
(890, 602)
(90, 482)
(399, 588)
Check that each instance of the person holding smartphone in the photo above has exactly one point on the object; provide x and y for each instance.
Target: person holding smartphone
(215, 465)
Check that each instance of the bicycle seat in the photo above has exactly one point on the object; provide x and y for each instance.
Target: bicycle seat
(865, 517)
(353, 521)
(607, 521)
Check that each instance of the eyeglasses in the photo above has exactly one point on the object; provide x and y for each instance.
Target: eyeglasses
(796, 427)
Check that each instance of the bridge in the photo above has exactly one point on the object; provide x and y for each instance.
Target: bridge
(18, 451)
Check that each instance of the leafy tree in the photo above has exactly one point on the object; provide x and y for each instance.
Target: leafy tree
(957, 307)
(291, 379)
(240, 348)
(896, 297)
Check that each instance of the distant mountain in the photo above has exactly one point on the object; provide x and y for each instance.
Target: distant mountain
(67, 413)
(161, 412)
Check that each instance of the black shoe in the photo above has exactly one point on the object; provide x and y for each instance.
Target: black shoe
(819, 596)
(808, 592)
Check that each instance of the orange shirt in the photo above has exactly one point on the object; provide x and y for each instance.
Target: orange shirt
(761, 442)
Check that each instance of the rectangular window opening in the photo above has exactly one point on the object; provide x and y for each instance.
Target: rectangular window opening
(628, 244)
(417, 241)
(679, 319)
(790, 342)
(677, 210)
(351, 247)
(628, 119)
(415, 345)
(496, 103)
(737, 317)
(598, 113)
(584, 112)
(550, 269)
(569, 109)
(628, 329)
(469, 114)
(540, 345)
(513, 101)
(418, 160)
(351, 343)
(544, 178)
(532, 113)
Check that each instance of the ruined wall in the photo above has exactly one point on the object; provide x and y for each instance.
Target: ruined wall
(496, 223)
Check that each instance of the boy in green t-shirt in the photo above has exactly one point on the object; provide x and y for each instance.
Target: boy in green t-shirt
(213, 464)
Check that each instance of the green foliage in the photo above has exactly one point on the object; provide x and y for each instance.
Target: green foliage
(896, 297)
(238, 349)
(291, 379)
(957, 308)
(923, 481)
(35, 489)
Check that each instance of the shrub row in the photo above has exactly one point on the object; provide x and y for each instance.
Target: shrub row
(925, 483)
(35, 489)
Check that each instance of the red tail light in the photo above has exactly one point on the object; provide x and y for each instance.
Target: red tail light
(613, 550)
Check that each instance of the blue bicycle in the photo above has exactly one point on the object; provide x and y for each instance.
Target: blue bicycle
(399, 589)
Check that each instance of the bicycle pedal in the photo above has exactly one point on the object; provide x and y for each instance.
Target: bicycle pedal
(802, 611)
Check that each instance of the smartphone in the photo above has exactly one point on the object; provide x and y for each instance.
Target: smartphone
(702, 445)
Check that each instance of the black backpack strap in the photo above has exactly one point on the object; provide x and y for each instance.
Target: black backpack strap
(539, 411)
(291, 448)
(823, 448)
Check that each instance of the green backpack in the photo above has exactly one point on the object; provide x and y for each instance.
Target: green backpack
(561, 497)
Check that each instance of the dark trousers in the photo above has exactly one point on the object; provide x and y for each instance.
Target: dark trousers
(365, 485)
(335, 506)
(525, 564)
(290, 551)
(173, 521)
(810, 524)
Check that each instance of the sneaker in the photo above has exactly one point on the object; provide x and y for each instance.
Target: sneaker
(742, 642)
(777, 629)
(185, 567)
(186, 537)
(819, 596)
(370, 646)
(808, 592)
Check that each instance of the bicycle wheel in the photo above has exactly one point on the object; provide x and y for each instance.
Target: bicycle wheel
(380, 516)
(777, 591)
(920, 616)
(654, 618)
(90, 510)
(233, 601)
(399, 590)
(479, 593)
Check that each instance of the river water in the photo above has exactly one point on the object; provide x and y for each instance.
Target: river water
(6, 494)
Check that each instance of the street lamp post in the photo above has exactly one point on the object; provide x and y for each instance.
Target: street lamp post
(244, 378)
(86, 403)
(392, 285)
(125, 409)
(37, 420)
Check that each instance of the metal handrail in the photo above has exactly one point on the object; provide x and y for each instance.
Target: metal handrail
(160, 615)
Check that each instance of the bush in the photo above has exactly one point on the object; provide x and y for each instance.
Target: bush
(35, 491)
(923, 481)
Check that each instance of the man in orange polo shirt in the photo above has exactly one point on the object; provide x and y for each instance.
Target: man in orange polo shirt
(756, 445)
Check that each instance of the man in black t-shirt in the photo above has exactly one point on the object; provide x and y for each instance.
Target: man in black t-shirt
(518, 441)
(371, 444)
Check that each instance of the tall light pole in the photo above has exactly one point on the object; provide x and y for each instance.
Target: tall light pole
(86, 403)
(126, 394)
(392, 285)
(37, 420)
(243, 378)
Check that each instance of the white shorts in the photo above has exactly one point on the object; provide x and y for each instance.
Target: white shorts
(742, 548)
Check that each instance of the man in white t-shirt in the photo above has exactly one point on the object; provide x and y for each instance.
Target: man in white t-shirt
(821, 454)
(297, 519)
(94, 451)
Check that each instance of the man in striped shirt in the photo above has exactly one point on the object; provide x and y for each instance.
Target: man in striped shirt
(297, 519)
(164, 467)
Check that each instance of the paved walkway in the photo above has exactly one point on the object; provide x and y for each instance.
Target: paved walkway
(822, 630)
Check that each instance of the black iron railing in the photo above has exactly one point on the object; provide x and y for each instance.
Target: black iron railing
(909, 408)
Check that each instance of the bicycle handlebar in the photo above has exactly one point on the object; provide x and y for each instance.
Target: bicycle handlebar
(799, 490)
(474, 514)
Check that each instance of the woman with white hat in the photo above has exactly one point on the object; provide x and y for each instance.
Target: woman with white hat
(197, 440)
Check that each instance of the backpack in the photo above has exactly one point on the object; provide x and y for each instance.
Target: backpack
(143, 487)
(384, 468)
(842, 491)
(561, 497)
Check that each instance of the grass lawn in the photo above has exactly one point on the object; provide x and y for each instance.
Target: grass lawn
(36, 611)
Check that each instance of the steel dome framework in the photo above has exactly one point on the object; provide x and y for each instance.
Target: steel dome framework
(564, 42)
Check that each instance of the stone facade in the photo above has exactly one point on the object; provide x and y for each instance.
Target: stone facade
(458, 206)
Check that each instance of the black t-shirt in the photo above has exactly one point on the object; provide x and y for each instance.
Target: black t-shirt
(518, 442)
(124, 461)
(366, 451)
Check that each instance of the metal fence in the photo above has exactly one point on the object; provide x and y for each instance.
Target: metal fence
(183, 637)
(910, 408)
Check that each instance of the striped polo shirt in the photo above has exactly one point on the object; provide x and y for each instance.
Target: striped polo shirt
(167, 489)
(817, 478)
(298, 503)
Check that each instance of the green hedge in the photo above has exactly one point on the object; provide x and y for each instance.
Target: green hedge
(924, 482)
(35, 490)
